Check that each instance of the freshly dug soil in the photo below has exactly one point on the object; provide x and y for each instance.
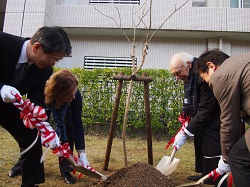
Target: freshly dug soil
(138, 175)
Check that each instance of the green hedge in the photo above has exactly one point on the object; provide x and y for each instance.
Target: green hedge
(98, 90)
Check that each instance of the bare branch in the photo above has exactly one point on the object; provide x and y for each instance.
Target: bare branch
(146, 41)
(167, 19)
(119, 25)
(141, 21)
(143, 15)
(143, 38)
(143, 5)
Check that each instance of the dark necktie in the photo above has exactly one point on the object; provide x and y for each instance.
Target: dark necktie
(20, 72)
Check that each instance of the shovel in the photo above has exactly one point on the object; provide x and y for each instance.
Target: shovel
(197, 183)
(86, 171)
(168, 164)
(206, 177)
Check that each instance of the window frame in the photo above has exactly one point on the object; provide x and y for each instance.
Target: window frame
(240, 4)
(199, 3)
(91, 62)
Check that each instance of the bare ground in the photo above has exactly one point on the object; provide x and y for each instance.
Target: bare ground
(138, 173)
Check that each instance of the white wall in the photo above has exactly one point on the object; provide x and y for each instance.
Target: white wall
(23, 18)
(159, 53)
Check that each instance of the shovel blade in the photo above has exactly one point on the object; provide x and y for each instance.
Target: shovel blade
(86, 171)
(165, 168)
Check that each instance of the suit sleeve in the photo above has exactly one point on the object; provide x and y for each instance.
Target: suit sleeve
(227, 93)
(206, 106)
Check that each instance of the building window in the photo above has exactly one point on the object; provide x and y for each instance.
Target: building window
(125, 2)
(91, 62)
(199, 3)
(240, 3)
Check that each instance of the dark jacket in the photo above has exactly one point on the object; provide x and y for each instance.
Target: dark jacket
(207, 113)
(70, 129)
(33, 82)
(72, 122)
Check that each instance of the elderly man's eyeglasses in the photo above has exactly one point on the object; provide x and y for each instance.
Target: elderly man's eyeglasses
(178, 72)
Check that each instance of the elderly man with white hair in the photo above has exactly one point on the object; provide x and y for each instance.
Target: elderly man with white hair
(201, 107)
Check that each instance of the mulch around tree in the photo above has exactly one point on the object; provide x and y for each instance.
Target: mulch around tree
(137, 175)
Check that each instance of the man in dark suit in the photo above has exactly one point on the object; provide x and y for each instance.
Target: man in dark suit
(200, 105)
(46, 47)
(229, 78)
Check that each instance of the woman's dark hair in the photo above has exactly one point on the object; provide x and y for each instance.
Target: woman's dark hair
(216, 56)
(52, 39)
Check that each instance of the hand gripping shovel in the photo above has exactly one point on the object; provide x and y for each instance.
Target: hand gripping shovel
(168, 164)
(212, 175)
(63, 150)
(197, 183)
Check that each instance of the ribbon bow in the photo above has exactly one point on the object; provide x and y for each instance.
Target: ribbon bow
(35, 116)
(32, 115)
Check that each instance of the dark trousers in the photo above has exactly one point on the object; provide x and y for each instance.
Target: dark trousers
(211, 155)
(31, 168)
(64, 164)
(239, 161)
(198, 153)
(207, 154)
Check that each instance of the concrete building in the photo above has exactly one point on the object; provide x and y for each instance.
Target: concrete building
(102, 31)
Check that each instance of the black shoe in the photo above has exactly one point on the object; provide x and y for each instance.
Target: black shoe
(68, 178)
(14, 173)
(194, 177)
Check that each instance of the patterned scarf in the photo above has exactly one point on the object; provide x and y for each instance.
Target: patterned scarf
(191, 93)
(59, 116)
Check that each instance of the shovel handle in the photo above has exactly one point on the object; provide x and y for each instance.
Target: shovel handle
(198, 183)
(172, 156)
(71, 160)
(203, 179)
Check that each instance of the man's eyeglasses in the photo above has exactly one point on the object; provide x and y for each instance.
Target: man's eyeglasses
(52, 60)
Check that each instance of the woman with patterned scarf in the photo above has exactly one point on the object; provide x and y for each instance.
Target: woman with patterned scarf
(65, 102)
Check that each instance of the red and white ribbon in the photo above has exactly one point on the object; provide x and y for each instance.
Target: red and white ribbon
(184, 120)
(214, 175)
(35, 116)
(65, 152)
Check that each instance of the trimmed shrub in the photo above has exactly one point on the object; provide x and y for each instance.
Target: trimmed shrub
(98, 90)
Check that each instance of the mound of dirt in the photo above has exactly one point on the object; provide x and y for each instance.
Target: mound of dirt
(138, 175)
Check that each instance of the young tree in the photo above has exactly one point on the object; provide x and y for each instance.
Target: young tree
(144, 10)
